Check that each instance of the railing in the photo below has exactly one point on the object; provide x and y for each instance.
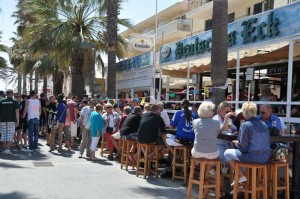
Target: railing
(195, 4)
(292, 1)
(177, 25)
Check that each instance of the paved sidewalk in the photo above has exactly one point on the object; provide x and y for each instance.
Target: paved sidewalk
(52, 175)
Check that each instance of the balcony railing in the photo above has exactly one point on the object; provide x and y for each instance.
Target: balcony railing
(292, 1)
(195, 4)
(177, 25)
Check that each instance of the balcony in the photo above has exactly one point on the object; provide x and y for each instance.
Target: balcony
(195, 4)
(172, 31)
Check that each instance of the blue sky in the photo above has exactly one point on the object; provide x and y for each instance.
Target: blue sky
(135, 10)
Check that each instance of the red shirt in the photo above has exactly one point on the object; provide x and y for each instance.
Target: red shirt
(71, 106)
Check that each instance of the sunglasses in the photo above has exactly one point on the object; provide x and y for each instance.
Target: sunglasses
(109, 107)
(262, 112)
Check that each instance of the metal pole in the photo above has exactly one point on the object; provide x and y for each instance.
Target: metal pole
(290, 78)
(237, 82)
(188, 82)
(154, 49)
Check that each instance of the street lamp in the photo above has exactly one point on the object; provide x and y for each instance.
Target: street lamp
(87, 45)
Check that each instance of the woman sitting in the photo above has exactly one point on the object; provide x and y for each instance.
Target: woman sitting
(183, 122)
(253, 144)
(206, 130)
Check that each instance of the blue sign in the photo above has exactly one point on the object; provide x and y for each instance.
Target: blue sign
(273, 24)
(133, 63)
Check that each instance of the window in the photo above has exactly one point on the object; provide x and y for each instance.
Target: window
(257, 8)
(231, 17)
(248, 11)
(208, 24)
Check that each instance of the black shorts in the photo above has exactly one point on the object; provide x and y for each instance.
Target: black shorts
(42, 120)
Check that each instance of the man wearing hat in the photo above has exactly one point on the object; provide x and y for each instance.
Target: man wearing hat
(9, 119)
(134, 102)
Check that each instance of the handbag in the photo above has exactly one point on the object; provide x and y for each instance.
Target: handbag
(280, 153)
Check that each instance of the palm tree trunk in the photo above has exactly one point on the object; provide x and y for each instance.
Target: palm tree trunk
(30, 82)
(219, 62)
(36, 82)
(45, 82)
(78, 82)
(58, 81)
(24, 84)
(112, 33)
(19, 82)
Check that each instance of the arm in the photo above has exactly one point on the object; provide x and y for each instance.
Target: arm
(244, 139)
(40, 109)
(17, 116)
(75, 114)
(226, 118)
(25, 109)
(68, 116)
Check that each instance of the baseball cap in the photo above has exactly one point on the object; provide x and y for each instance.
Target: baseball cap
(136, 100)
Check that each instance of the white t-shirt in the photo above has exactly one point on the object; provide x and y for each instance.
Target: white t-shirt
(86, 113)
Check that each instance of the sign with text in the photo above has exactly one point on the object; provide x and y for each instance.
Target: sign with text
(136, 62)
(273, 24)
(142, 44)
(142, 77)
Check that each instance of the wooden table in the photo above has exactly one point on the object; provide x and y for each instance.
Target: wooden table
(296, 150)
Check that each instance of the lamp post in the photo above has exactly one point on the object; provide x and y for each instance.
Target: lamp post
(154, 50)
(86, 45)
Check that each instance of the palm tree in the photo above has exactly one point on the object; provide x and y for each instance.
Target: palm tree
(219, 62)
(112, 30)
(3, 48)
(61, 27)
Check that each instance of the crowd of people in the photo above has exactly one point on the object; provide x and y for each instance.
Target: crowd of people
(23, 118)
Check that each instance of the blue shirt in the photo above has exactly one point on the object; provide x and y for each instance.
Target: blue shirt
(254, 142)
(61, 112)
(184, 128)
(96, 122)
(270, 121)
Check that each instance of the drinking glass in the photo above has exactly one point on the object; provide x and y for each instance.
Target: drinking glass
(229, 124)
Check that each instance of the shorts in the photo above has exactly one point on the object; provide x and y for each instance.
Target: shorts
(210, 156)
(73, 128)
(42, 120)
(7, 130)
(94, 143)
(117, 135)
(131, 136)
(171, 140)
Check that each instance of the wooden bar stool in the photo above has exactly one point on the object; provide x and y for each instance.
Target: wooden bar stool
(148, 149)
(205, 182)
(180, 160)
(274, 180)
(256, 175)
(125, 152)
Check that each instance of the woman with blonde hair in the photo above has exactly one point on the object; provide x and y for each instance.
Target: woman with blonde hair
(253, 144)
(206, 130)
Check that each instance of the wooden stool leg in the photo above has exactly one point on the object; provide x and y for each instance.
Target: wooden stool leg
(218, 176)
(275, 181)
(190, 186)
(247, 174)
(202, 171)
(138, 160)
(174, 164)
(146, 161)
(253, 194)
(206, 179)
(156, 161)
(236, 179)
(122, 155)
(265, 183)
(287, 181)
(184, 166)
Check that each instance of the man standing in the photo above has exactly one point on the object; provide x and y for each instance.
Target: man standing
(9, 120)
(73, 111)
(33, 110)
(43, 115)
(85, 126)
